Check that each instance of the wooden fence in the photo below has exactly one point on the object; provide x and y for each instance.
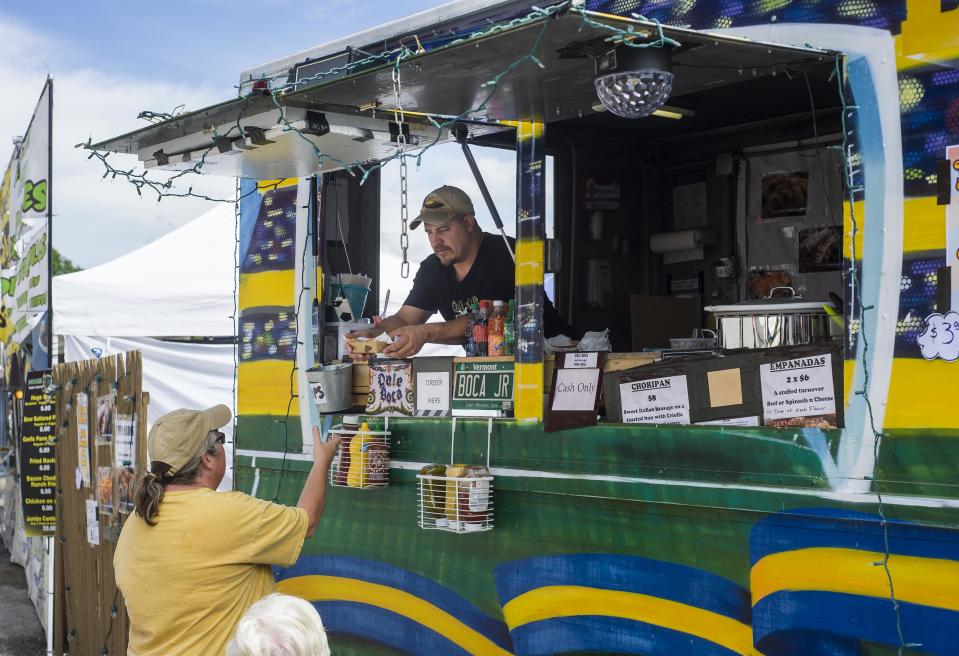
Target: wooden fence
(89, 613)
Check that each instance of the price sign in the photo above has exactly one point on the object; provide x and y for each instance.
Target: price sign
(940, 339)
(655, 401)
(801, 388)
(38, 475)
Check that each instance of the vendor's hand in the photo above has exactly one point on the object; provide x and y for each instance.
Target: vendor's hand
(323, 452)
(407, 341)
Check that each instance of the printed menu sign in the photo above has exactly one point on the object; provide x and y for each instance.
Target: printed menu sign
(83, 439)
(799, 392)
(655, 401)
(38, 475)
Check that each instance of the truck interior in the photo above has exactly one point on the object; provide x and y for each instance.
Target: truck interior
(732, 189)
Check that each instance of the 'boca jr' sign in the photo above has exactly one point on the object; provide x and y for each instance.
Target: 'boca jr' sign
(482, 389)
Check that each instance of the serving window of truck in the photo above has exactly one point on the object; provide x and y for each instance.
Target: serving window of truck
(715, 433)
(698, 204)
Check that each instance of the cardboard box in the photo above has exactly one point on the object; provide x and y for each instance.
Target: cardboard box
(657, 318)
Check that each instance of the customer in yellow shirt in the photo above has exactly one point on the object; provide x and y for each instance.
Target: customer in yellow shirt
(192, 560)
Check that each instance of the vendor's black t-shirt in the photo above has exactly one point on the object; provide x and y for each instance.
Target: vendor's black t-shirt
(436, 289)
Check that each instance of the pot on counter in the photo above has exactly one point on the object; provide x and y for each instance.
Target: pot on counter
(770, 322)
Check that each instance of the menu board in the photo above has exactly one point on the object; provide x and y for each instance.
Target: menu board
(655, 401)
(38, 475)
(799, 392)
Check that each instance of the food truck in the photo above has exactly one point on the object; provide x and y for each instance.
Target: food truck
(781, 174)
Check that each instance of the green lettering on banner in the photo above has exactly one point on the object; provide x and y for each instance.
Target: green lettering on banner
(38, 250)
(34, 196)
(38, 301)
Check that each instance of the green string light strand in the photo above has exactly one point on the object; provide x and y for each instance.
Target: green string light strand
(628, 36)
(163, 190)
(295, 367)
(397, 56)
(863, 392)
(236, 319)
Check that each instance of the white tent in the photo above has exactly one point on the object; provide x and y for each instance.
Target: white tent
(181, 285)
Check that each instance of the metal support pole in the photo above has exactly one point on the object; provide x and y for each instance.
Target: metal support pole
(530, 239)
(459, 131)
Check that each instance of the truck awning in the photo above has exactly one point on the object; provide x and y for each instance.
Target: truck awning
(347, 119)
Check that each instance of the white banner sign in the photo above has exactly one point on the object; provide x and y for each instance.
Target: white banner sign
(655, 401)
(24, 205)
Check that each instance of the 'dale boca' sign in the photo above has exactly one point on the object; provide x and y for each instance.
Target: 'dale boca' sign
(482, 389)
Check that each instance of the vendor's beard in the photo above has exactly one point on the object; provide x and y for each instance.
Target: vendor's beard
(446, 257)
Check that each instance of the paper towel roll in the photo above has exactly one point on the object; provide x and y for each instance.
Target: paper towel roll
(681, 240)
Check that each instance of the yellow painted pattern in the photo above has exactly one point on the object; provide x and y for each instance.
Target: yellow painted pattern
(337, 588)
(266, 288)
(263, 388)
(917, 389)
(529, 262)
(270, 185)
(924, 226)
(571, 600)
(528, 391)
(528, 130)
(918, 580)
(928, 35)
(848, 371)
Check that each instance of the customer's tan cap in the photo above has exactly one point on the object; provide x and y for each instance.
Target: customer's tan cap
(177, 436)
(441, 205)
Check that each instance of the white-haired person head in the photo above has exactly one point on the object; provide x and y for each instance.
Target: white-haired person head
(280, 625)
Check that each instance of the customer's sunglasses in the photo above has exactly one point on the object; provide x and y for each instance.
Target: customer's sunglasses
(220, 437)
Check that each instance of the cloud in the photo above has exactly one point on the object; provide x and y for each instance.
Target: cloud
(95, 220)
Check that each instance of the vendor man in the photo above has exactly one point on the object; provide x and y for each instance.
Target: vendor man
(467, 265)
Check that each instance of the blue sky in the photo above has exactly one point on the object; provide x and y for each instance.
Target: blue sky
(199, 41)
(109, 60)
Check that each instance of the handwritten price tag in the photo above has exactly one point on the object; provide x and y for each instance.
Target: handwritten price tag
(940, 339)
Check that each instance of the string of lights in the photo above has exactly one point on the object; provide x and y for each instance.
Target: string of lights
(397, 56)
(852, 188)
(235, 317)
(294, 368)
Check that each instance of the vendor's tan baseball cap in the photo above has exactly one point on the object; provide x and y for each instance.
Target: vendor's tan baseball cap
(177, 436)
(441, 205)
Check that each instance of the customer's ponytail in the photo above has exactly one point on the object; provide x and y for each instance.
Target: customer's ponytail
(148, 495)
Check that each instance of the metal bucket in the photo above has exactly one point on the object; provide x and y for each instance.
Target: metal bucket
(331, 386)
